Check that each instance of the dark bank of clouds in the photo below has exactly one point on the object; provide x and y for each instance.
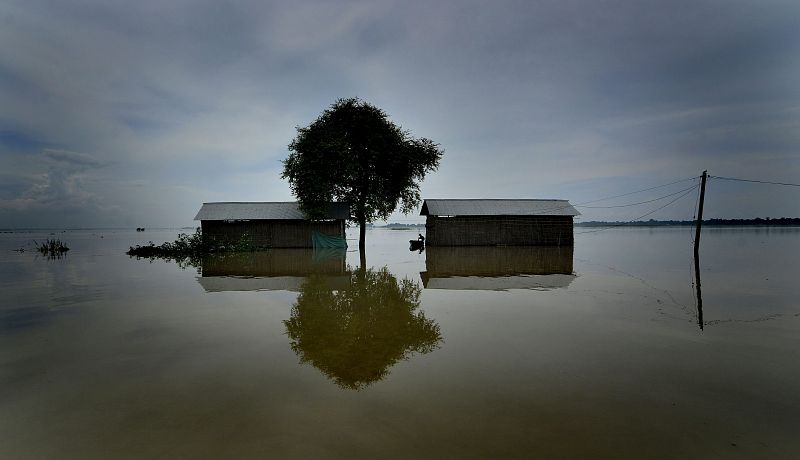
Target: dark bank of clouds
(156, 107)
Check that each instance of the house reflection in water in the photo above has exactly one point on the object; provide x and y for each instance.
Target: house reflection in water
(276, 269)
(498, 268)
(353, 325)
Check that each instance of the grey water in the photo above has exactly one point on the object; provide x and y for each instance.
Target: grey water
(595, 352)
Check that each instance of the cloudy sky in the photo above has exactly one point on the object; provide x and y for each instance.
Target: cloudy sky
(134, 113)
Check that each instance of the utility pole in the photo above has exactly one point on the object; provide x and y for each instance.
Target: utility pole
(700, 213)
(697, 250)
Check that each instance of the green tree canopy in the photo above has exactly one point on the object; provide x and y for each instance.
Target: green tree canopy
(352, 152)
(355, 335)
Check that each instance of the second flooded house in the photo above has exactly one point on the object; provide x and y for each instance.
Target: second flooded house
(272, 224)
(492, 222)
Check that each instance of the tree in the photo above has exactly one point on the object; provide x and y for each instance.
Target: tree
(353, 153)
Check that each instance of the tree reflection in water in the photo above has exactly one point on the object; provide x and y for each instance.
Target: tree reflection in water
(355, 335)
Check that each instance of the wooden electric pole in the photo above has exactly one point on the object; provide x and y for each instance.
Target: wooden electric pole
(697, 250)
(700, 212)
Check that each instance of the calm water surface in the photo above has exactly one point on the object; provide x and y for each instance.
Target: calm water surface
(459, 353)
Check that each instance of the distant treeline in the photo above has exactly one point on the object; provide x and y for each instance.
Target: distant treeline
(397, 225)
(757, 222)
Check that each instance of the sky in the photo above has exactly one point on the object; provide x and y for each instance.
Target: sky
(127, 114)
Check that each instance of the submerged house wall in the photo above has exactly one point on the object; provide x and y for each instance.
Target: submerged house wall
(272, 233)
(499, 230)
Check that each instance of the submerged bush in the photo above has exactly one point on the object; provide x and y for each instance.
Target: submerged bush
(189, 249)
(54, 248)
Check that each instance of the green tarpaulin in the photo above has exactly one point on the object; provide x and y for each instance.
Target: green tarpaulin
(323, 241)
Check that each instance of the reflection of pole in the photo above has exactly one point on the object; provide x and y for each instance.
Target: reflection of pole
(697, 286)
(697, 250)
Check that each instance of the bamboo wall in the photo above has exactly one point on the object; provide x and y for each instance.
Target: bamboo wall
(499, 230)
(272, 233)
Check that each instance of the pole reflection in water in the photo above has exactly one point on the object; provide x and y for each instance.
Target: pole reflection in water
(498, 268)
(697, 287)
(355, 335)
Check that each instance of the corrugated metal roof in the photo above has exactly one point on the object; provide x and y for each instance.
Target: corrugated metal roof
(253, 210)
(492, 207)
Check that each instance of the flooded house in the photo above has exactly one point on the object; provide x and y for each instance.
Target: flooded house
(498, 222)
(271, 224)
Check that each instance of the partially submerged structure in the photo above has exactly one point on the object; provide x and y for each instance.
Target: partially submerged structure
(494, 222)
(270, 224)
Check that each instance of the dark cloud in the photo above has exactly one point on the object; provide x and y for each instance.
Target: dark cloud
(76, 160)
(55, 192)
(13, 186)
(556, 98)
(20, 142)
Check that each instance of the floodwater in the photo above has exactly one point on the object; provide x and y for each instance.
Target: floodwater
(449, 353)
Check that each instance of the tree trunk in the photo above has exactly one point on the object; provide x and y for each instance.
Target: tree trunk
(363, 267)
(361, 243)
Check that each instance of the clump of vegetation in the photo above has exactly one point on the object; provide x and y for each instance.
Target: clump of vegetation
(53, 249)
(189, 249)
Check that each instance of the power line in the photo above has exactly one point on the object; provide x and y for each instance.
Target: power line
(638, 191)
(643, 215)
(581, 204)
(754, 180)
(636, 204)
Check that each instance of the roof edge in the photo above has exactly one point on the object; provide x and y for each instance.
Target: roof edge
(461, 207)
